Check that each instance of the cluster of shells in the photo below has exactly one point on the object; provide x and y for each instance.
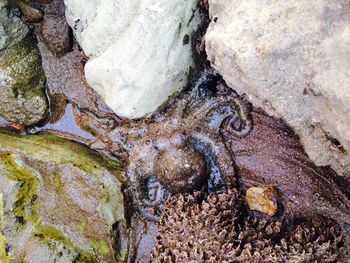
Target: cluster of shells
(215, 227)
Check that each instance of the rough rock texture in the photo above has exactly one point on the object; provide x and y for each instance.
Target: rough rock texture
(292, 58)
(54, 30)
(212, 228)
(61, 202)
(29, 13)
(22, 79)
(140, 51)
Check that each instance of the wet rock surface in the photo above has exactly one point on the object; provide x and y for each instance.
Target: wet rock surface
(22, 79)
(72, 101)
(272, 155)
(291, 59)
(61, 202)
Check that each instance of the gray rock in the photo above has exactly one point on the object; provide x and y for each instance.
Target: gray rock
(136, 49)
(61, 202)
(22, 79)
(292, 58)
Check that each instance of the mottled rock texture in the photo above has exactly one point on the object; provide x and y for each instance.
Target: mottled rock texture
(54, 30)
(292, 58)
(140, 51)
(22, 79)
(60, 202)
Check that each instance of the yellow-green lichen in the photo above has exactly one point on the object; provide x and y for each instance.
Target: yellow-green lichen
(99, 246)
(82, 226)
(57, 181)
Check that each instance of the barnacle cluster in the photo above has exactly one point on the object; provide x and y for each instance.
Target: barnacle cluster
(215, 227)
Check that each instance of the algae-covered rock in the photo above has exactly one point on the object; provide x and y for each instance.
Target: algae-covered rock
(22, 79)
(61, 202)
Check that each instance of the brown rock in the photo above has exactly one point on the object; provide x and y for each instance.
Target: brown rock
(29, 13)
(54, 30)
(262, 199)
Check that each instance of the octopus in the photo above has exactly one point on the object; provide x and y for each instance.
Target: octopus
(180, 148)
(210, 138)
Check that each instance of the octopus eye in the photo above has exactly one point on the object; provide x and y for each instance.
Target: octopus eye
(154, 192)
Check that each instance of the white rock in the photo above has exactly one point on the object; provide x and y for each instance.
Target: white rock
(136, 49)
(293, 59)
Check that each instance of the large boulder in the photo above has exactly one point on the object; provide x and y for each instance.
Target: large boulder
(59, 202)
(292, 58)
(139, 50)
(22, 78)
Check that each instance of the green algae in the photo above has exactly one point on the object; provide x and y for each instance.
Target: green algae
(100, 246)
(46, 233)
(57, 181)
(49, 148)
(19, 153)
(82, 226)
(27, 190)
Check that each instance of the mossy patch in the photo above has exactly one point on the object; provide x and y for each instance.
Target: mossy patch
(57, 181)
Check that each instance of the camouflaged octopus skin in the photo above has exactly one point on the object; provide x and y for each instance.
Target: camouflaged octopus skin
(180, 148)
